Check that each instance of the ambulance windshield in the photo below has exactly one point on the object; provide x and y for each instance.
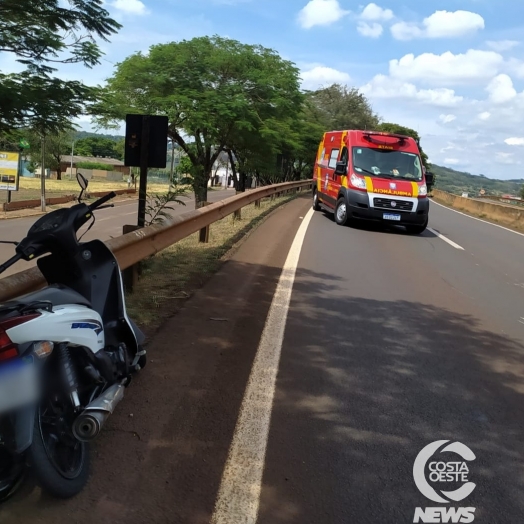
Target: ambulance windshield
(387, 163)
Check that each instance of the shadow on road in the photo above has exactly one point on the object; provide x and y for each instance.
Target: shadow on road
(363, 386)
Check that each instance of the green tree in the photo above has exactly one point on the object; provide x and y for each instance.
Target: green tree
(211, 88)
(388, 127)
(339, 107)
(41, 33)
(97, 147)
(56, 145)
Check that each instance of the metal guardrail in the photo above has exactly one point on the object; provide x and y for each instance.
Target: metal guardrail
(138, 245)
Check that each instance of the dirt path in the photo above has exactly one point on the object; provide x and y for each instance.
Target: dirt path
(161, 456)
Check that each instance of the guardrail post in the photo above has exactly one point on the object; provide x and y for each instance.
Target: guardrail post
(130, 275)
(204, 232)
(237, 215)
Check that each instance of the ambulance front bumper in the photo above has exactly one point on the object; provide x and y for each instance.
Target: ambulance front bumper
(387, 208)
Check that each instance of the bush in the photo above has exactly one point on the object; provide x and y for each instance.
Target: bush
(95, 165)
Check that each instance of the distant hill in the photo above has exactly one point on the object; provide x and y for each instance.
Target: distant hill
(87, 134)
(456, 182)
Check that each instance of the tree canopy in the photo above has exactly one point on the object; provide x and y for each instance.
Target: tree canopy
(99, 147)
(218, 93)
(42, 33)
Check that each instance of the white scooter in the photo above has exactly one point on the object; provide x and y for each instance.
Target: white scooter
(67, 353)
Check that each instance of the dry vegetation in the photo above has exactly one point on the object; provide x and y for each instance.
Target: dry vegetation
(172, 276)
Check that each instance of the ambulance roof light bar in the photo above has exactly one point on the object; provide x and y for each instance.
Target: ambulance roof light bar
(369, 136)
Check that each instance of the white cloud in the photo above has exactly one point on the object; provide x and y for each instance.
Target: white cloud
(441, 24)
(485, 115)
(452, 161)
(320, 12)
(446, 119)
(320, 76)
(501, 89)
(447, 68)
(384, 87)
(515, 141)
(135, 7)
(507, 158)
(374, 12)
(502, 45)
(373, 30)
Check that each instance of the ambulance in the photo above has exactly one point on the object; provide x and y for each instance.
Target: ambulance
(370, 175)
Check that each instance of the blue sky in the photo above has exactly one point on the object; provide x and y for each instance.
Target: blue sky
(452, 69)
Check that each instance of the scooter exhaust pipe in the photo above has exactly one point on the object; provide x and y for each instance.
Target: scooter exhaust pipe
(89, 423)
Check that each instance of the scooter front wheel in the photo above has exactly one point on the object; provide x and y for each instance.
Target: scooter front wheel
(59, 461)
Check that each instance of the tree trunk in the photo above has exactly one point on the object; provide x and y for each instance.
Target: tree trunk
(233, 169)
(200, 179)
(242, 181)
(59, 174)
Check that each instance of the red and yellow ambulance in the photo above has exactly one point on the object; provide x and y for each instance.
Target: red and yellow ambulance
(372, 175)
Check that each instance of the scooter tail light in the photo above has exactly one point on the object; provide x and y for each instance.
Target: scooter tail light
(8, 349)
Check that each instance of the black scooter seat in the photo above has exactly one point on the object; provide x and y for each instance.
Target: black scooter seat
(57, 294)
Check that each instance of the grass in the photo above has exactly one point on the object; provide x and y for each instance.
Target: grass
(30, 187)
(172, 276)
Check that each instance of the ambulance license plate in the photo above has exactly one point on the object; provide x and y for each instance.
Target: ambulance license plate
(391, 216)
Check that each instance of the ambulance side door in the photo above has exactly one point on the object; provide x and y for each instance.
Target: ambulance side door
(332, 181)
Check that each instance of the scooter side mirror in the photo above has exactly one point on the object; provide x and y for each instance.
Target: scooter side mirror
(82, 181)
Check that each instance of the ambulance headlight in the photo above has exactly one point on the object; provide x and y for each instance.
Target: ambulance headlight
(423, 190)
(357, 182)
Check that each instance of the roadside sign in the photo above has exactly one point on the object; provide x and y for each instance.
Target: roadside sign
(9, 170)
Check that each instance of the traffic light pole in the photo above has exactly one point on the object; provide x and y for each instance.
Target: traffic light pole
(144, 154)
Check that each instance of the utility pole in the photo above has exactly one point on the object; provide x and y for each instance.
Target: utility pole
(72, 153)
(172, 163)
(42, 175)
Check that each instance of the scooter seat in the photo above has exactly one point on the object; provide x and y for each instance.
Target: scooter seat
(57, 294)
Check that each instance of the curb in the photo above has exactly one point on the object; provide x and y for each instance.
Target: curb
(40, 213)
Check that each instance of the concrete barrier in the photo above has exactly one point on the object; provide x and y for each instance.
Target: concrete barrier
(505, 215)
(27, 204)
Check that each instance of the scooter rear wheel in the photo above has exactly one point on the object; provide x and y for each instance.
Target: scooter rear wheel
(59, 461)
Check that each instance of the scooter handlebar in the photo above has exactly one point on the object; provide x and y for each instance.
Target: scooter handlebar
(102, 201)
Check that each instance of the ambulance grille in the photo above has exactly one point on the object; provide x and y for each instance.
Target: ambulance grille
(399, 205)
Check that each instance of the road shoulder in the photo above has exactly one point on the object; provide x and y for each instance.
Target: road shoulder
(161, 457)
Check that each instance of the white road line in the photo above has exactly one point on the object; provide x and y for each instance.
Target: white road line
(239, 495)
(446, 239)
(478, 219)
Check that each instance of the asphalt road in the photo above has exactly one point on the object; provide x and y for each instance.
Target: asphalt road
(109, 224)
(391, 342)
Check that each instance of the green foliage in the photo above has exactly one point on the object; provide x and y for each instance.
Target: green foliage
(98, 147)
(521, 194)
(41, 33)
(338, 107)
(457, 182)
(214, 90)
(95, 165)
(158, 205)
(56, 145)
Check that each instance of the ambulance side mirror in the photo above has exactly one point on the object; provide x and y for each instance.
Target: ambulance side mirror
(341, 168)
(430, 179)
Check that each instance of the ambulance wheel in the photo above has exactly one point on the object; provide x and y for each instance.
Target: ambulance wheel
(341, 212)
(316, 204)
